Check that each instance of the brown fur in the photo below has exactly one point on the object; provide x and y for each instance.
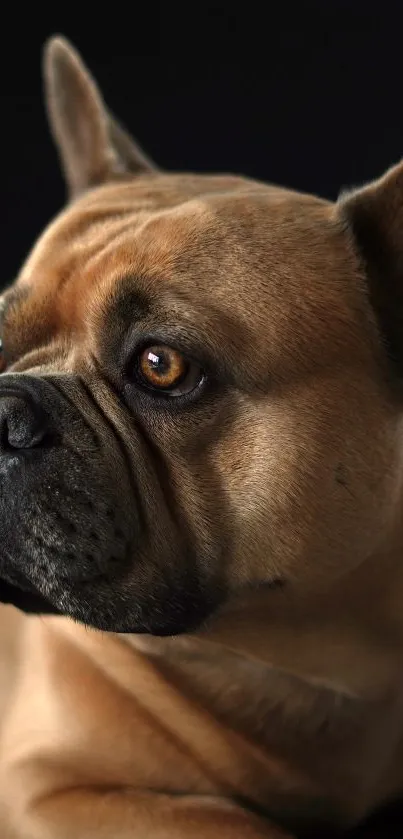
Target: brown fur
(286, 707)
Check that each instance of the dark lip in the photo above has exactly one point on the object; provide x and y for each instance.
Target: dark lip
(26, 598)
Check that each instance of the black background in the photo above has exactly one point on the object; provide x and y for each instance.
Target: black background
(308, 95)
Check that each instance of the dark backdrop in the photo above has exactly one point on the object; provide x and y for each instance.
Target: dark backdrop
(307, 94)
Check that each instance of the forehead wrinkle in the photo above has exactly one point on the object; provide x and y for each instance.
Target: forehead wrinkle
(67, 280)
(60, 255)
(146, 246)
(71, 242)
(149, 258)
(97, 210)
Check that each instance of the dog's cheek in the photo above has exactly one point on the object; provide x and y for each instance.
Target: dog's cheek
(343, 471)
(305, 494)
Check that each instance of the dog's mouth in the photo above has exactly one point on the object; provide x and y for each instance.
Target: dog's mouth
(25, 597)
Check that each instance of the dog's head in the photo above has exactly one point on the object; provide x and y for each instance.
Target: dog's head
(201, 386)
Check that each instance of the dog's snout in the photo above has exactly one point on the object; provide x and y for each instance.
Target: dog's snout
(23, 423)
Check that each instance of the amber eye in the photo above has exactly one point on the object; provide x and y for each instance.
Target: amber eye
(165, 369)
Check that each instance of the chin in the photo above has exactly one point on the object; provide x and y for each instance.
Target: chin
(109, 608)
(161, 614)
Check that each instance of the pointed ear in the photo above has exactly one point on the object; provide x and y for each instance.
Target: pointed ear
(93, 147)
(374, 215)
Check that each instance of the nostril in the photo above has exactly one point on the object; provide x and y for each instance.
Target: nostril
(23, 424)
(4, 434)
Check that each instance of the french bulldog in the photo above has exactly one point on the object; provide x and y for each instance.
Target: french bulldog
(201, 500)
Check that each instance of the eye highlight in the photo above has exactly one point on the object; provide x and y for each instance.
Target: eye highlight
(164, 369)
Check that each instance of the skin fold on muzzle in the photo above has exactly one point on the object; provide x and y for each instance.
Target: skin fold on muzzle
(71, 521)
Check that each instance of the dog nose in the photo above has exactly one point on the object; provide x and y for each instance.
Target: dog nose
(23, 424)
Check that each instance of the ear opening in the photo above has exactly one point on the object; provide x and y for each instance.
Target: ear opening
(374, 216)
(93, 147)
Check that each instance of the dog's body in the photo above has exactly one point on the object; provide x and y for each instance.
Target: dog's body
(233, 534)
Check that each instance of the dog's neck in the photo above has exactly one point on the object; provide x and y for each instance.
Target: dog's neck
(348, 639)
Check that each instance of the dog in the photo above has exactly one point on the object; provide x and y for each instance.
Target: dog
(201, 477)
